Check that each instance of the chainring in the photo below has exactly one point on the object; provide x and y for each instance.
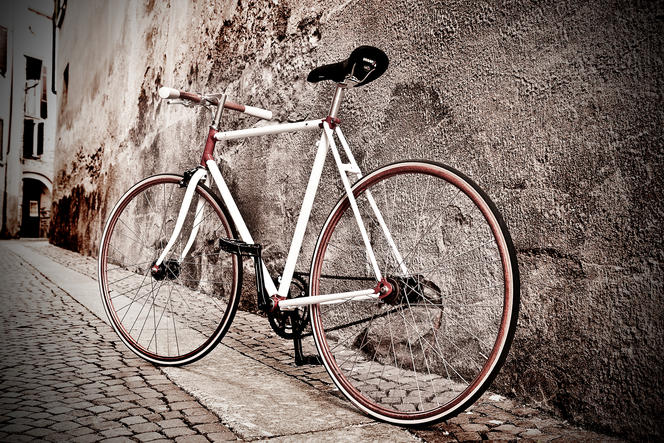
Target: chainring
(291, 324)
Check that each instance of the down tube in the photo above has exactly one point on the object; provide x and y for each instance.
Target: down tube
(245, 235)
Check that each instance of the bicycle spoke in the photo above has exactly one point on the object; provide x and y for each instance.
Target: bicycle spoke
(167, 319)
(422, 353)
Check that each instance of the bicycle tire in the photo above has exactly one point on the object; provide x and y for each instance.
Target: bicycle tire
(187, 314)
(431, 350)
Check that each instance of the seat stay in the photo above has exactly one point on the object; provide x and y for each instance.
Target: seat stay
(352, 201)
(372, 203)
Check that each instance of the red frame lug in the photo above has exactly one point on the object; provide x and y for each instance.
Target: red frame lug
(275, 301)
(384, 288)
(332, 121)
(209, 147)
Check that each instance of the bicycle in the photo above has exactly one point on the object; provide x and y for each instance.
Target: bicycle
(413, 292)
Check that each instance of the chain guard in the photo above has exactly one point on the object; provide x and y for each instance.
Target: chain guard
(291, 324)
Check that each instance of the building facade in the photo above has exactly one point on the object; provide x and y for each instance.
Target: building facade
(27, 118)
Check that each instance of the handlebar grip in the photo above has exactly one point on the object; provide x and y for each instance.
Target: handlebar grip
(165, 92)
(258, 112)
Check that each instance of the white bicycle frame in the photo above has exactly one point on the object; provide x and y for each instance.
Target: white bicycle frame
(326, 142)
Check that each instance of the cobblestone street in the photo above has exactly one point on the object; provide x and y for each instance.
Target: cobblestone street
(67, 377)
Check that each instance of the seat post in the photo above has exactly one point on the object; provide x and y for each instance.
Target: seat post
(336, 101)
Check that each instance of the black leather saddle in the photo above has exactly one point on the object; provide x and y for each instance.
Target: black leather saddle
(364, 65)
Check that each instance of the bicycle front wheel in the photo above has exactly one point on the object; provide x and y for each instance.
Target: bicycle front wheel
(432, 346)
(176, 316)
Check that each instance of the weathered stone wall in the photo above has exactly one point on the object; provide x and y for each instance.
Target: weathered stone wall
(553, 107)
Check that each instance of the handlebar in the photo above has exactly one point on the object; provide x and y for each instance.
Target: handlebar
(165, 92)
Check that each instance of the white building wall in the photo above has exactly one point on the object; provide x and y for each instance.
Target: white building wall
(29, 34)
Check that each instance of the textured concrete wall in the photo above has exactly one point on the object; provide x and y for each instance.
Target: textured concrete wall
(553, 107)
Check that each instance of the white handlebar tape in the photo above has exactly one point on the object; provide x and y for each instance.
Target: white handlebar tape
(168, 93)
(258, 112)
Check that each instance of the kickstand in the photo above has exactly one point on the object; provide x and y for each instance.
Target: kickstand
(301, 359)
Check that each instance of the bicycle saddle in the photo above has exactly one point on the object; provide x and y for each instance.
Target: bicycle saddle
(364, 65)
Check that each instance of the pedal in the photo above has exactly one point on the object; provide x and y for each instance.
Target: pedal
(253, 250)
(238, 247)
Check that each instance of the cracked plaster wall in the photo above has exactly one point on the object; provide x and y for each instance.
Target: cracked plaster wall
(553, 107)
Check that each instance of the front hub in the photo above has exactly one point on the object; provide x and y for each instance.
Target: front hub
(168, 269)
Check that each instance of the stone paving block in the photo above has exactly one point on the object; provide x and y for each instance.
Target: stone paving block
(113, 415)
(177, 432)
(14, 429)
(191, 439)
(222, 436)
(138, 411)
(141, 428)
(83, 430)
(132, 420)
(474, 427)
(171, 414)
(98, 409)
(116, 432)
(507, 428)
(65, 426)
(103, 425)
(114, 440)
(530, 433)
(153, 417)
(57, 437)
(203, 418)
(495, 435)
(41, 423)
(468, 436)
(180, 405)
(39, 432)
(173, 423)
(148, 436)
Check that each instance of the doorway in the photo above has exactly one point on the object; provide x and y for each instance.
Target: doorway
(35, 209)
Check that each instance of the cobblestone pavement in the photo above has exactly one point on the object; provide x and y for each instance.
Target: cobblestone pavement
(66, 377)
(493, 417)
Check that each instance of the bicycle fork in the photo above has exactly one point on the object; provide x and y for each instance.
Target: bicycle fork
(191, 180)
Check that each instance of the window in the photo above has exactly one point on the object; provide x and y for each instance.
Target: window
(43, 105)
(40, 139)
(35, 88)
(28, 138)
(36, 108)
(33, 67)
(3, 50)
(33, 138)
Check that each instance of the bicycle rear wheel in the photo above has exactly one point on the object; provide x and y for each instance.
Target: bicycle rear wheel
(176, 316)
(432, 347)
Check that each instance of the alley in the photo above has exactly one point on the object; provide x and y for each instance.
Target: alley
(67, 377)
